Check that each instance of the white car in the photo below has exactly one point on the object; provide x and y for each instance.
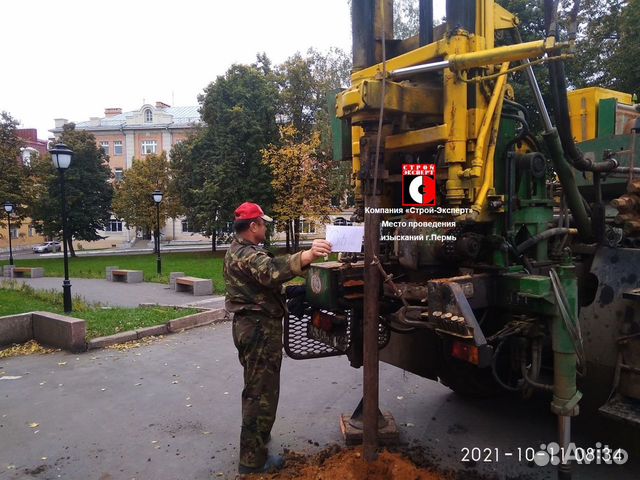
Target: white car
(47, 247)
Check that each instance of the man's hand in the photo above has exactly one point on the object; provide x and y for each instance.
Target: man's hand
(319, 248)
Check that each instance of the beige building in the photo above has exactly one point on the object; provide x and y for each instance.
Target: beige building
(135, 134)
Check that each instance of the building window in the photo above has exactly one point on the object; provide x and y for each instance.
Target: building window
(148, 146)
(32, 230)
(105, 147)
(27, 155)
(114, 225)
(307, 227)
(186, 227)
(117, 147)
(148, 116)
(118, 174)
(14, 233)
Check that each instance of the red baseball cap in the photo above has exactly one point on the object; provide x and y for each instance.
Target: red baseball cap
(250, 211)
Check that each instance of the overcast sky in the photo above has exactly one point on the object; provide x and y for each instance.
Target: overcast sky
(72, 58)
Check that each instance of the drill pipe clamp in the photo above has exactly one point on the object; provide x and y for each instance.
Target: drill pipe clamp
(566, 408)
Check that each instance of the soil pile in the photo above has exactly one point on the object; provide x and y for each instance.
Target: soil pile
(335, 463)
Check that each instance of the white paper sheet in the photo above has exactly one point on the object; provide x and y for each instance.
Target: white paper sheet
(345, 238)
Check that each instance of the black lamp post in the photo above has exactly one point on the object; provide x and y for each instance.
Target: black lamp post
(157, 198)
(61, 156)
(8, 207)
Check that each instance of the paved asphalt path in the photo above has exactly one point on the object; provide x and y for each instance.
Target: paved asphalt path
(170, 410)
(125, 294)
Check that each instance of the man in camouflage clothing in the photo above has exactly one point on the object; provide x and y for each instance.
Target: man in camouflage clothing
(254, 278)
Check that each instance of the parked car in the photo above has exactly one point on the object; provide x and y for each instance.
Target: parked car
(47, 247)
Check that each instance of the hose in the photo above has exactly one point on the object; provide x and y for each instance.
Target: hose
(494, 370)
(525, 374)
(530, 242)
(517, 118)
(387, 324)
(571, 324)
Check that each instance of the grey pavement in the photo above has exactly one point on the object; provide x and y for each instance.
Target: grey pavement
(125, 294)
(170, 410)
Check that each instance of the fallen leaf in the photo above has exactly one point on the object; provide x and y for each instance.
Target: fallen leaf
(399, 397)
(102, 389)
(34, 424)
(29, 348)
(11, 377)
(62, 363)
(174, 382)
(43, 458)
(138, 384)
(226, 393)
(206, 433)
(189, 405)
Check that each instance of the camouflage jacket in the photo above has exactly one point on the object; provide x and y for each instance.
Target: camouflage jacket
(254, 278)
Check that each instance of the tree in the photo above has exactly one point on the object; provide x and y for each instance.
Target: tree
(305, 83)
(299, 182)
(14, 179)
(609, 45)
(406, 19)
(239, 111)
(133, 202)
(625, 66)
(88, 191)
(194, 180)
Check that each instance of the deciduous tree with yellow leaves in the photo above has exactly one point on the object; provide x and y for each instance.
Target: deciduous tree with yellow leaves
(299, 182)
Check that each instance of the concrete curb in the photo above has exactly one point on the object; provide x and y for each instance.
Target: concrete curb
(205, 317)
(45, 327)
(69, 333)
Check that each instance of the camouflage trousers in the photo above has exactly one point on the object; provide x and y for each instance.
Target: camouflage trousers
(258, 339)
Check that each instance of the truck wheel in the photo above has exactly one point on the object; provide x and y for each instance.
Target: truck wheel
(467, 380)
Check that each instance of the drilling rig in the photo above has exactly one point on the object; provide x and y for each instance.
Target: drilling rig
(514, 263)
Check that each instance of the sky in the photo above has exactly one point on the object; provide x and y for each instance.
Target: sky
(74, 58)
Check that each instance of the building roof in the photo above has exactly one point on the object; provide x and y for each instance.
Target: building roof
(169, 117)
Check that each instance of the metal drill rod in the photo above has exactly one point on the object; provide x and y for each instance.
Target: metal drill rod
(546, 119)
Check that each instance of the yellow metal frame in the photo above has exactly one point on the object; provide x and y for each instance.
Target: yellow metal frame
(468, 134)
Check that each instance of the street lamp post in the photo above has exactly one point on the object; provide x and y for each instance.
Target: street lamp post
(157, 198)
(61, 156)
(8, 207)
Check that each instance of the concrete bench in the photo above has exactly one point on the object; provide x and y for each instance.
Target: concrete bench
(127, 276)
(197, 286)
(172, 279)
(20, 272)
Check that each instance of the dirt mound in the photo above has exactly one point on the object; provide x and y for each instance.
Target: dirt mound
(336, 463)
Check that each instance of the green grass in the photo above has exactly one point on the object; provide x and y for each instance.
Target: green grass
(101, 322)
(195, 264)
(16, 298)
